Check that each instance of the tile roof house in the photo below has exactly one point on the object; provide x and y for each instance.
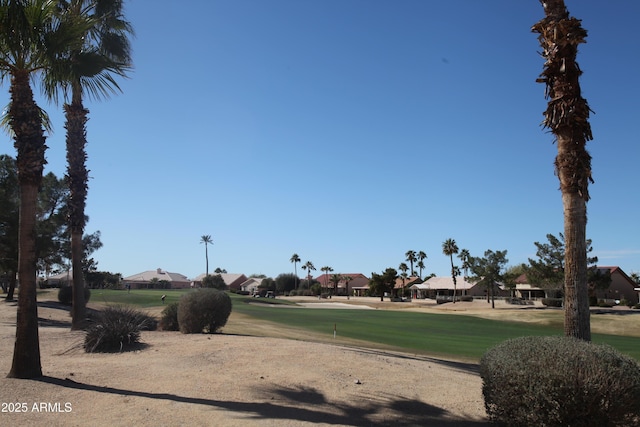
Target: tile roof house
(407, 282)
(251, 285)
(147, 279)
(233, 281)
(57, 280)
(442, 286)
(358, 284)
(622, 287)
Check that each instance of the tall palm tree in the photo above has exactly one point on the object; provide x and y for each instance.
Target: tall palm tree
(347, 279)
(335, 280)
(326, 270)
(421, 266)
(308, 266)
(411, 258)
(421, 257)
(403, 268)
(567, 117)
(449, 248)
(32, 34)
(295, 259)
(87, 69)
(465, 257)
(207, 240)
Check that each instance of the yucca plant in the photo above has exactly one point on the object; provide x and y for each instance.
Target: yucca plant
(117, 329)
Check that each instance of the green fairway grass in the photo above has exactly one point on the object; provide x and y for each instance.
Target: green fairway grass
(138, 297)
(447, 335)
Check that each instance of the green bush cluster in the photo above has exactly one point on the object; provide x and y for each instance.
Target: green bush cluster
(301, 292)
(205, 310)
(169, 318)
(65, 295)
(560, 381)
(116, 329)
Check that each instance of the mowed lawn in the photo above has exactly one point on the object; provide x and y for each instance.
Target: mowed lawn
(446, 335)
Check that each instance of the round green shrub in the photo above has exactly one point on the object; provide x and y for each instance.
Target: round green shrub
(117, 328)
(204, 310)
(65, 295)
(169, 318)
(560, 381)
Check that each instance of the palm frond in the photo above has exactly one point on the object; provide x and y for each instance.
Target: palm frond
(6, 126)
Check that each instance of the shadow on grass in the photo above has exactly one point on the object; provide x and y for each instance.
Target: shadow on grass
(307, 405)
(471, 368)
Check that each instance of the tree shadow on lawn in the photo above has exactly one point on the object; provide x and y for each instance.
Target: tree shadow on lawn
(470, 368)
(91, 313)
(309, 405)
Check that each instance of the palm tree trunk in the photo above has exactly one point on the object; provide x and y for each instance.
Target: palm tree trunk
(26, 353)
(576, 292)
(30, 144)
(453, 275)
(78, 307)
(567, 116)
(77, 178)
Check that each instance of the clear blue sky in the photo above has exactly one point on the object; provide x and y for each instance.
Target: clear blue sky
(348, 132)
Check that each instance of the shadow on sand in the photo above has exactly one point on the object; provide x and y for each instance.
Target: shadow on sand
(307, 405)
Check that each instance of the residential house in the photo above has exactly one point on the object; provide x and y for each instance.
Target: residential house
(56, 280)
(358, 285)
(233, 281)
(149, 279)
(403, 283)
(621, 288)
(251, 285)
(442, 287)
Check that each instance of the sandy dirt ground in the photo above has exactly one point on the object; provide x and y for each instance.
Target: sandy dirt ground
(235, 379)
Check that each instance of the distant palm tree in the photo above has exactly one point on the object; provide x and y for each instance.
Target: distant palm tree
(567, 116)
(347, 279)
(308, 267)
(465, 257)
(295, 259)
(335, 279)
(411, 257)
(206, 239)
(421, 257)
(421, 267)
(450, 248)
(326, 270)
(403, 268)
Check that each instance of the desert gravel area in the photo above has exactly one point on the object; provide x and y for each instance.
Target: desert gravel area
(231, 379)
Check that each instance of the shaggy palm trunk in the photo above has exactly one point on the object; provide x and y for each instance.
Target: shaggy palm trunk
(77, 177)
(576, 292)
(567, 116)
(206, 256)
(453, 276)
(29, 141)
